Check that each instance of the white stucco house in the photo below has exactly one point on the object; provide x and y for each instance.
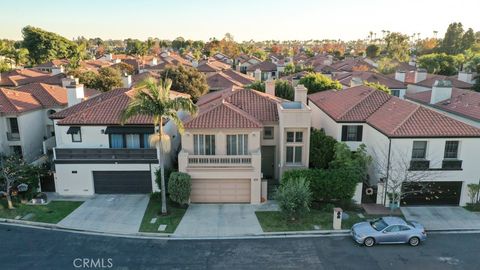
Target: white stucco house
(240, 137)
(95, 154)
(402, 135)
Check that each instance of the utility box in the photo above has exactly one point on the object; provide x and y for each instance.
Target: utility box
(337, 218)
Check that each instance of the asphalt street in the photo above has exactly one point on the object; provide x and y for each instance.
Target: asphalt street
(29, 248)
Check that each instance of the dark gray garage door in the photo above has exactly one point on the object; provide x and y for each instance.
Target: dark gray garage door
(433, 193)
(122, 182)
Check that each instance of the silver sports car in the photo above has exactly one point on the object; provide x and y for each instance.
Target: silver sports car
(388, 230)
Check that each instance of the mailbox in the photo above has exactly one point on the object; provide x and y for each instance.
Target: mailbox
(337, 218)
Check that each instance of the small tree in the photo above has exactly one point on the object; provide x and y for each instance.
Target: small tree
(107, 79)
(322, 149)
(186, 80)
(378, 86)
(372, 51)
(474, 192)
(179, 187)
(294, 198)
(400, 178)
(316, 82)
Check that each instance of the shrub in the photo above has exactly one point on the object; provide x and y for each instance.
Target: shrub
(179, 187)
(294, 198)
(326, 185)
(167, 172)
(316, 82)
(156, 195)
(474, 192)
(322, 149)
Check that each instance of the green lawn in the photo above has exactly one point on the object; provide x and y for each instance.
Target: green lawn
(175, 215)
(273, 221)
(49, 213)
(473, 207)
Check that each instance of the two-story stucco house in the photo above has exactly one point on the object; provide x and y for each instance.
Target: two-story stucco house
(240, 137)
(401, 134)
(95, 154)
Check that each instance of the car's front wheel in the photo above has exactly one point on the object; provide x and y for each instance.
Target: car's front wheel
(414, 241)
(369, 241)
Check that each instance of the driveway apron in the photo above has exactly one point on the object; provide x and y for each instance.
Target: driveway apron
(443, 218)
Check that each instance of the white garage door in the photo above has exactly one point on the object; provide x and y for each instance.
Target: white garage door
(220, 191)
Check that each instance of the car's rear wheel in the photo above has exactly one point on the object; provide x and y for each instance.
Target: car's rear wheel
(369, 241)
(414, 241)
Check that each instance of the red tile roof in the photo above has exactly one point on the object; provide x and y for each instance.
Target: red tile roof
(431, 78)
(263, 66)
(390, 115)
(52, 95)
(13, 102)
(463, 102)
(369, 76)
(25, 76)
(223, 115)
(228, 78)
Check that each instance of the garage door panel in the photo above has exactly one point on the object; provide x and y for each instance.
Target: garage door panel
(220, 190)
(122, 182)
(433, 193)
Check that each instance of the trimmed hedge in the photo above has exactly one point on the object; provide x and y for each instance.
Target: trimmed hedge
(179, 187)
(326, 185)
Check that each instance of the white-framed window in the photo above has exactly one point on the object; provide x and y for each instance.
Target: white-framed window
(419, 150)
(203, 144)
(268, 133)
(294, 147)
(451, 149)
(237, 144)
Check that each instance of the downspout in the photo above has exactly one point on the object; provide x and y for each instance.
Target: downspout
(388, 172)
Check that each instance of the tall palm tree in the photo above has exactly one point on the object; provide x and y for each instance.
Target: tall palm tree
(152, 98)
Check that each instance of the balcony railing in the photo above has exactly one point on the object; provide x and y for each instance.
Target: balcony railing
(13, 136)
(219, 161)
(451, 164)
(419, 165)
(93, 155)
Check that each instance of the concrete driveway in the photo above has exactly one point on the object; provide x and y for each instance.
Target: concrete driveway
(108, 213)
(443, 217)
(219, 220)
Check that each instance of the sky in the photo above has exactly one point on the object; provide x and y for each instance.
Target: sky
(244, 19)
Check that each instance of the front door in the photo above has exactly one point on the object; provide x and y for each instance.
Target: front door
(268, 162)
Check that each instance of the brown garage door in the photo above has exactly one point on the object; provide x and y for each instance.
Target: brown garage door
(220, 191)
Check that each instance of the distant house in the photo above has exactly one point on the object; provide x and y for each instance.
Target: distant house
(25, 76)
(228, 78)
(350, 79)
(243, 62)
(263, 71)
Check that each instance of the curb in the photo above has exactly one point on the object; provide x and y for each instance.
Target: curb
(170, 236)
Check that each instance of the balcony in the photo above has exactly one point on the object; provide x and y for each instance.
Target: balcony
(104, 155)
(419, 165)
(219, 161)
(13, 136)
(451, 164)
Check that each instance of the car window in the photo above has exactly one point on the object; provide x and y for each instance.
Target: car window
(404, 228)
(378, 224)
(393, 228)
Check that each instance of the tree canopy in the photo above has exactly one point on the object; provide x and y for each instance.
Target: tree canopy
(441, 63)
(378, 86)
(316, 82)
(186, 80)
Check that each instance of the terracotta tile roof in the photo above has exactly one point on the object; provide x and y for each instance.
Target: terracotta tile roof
(228, 78)
(346, 78)
(88, 103)
(431, 78)
(463, 102)
(208, 67)
(53, 63)
(399, 118)
(263, 66)
(223, 115)
(351, 104)
(13, 102)
(349, 64)
(52, 95)
(259, 106)
(388, 114)
(25, 76)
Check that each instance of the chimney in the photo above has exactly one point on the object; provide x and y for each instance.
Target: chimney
(109, 56)
(195, 63)
(356, 81)
(441, 90)
(75, 93)
(270, 87)
(127, 80)
(301, 93)
(420, 75)
(57, 70)
(68, 80)
(153, 62)
(465, 77)
(400, 75)
(257, 74)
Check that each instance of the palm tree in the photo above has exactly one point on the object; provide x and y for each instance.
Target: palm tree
(152, 98)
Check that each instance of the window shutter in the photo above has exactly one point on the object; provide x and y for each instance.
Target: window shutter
(344, 133)
(359, 133)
